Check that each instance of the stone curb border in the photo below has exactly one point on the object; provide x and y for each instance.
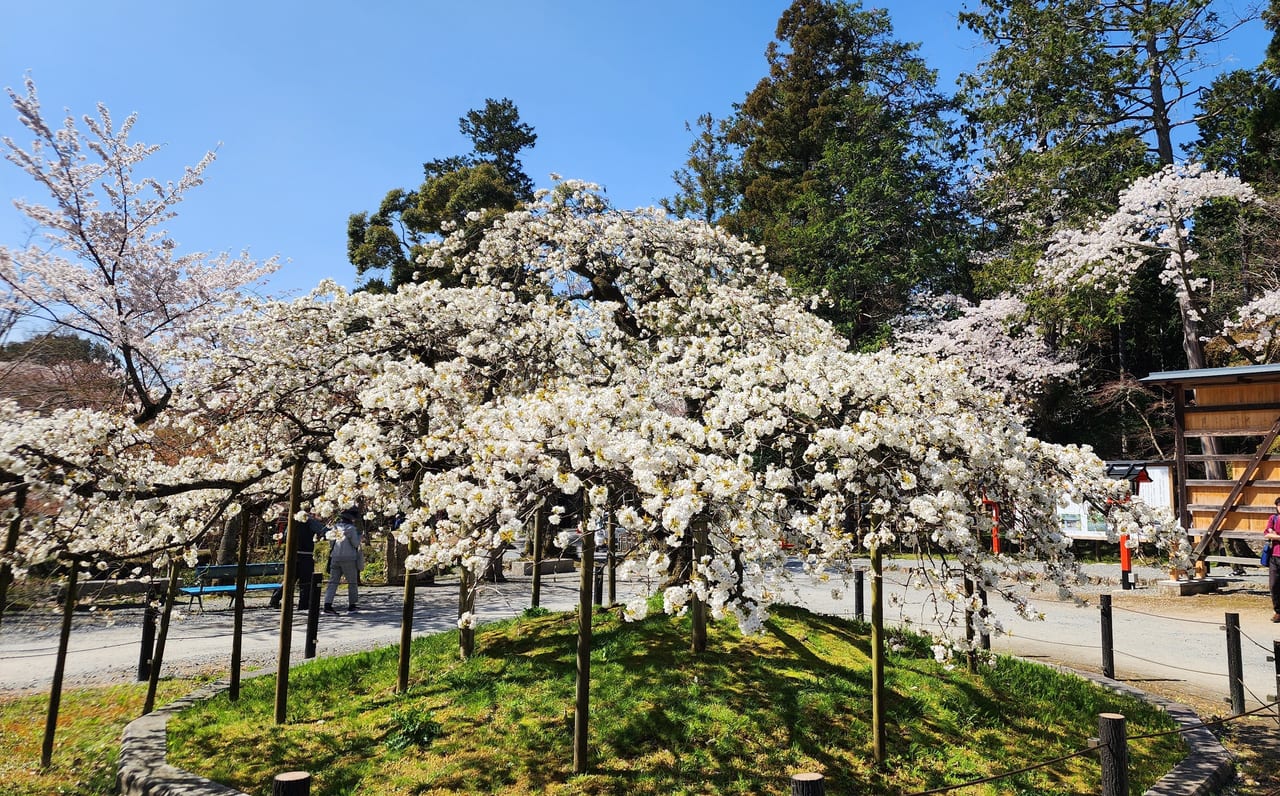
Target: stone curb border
(143, 768)
(144, 771)
(1207, 767)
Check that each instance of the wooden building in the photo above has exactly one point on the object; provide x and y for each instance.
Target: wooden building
(1226, 474)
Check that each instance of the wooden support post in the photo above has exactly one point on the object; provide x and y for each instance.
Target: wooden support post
(807, 784)
(157, 660)
(59, 666)
(877, 656)
(291, 783)
(611, 560)
(286, 630)
(409, 600)
(147, 650)
(1114, 749)
(535, 599)
(971, 657)
(1235, 665)
(582, 686)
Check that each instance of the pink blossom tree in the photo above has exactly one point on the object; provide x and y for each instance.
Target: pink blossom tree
(996, 342)
(105, 267)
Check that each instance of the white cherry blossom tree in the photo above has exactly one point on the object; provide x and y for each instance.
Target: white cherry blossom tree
(1151, 227)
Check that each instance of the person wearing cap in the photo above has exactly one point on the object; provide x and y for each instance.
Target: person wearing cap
(346, 559)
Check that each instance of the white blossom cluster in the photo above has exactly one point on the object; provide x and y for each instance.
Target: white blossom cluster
(103, 265)
(1152, 220)
(1255, 329)
(994, 341)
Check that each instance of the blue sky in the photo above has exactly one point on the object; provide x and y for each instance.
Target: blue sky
(318, 108)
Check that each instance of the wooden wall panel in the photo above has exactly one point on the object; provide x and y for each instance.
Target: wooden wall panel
(1254, 421)
(1236, 394)
(1263, 497)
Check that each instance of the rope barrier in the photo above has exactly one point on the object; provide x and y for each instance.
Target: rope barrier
(1115, 607)
(1205, 724)
(1255, 643)
(42, 651)
(993, 778)
(1170, 665)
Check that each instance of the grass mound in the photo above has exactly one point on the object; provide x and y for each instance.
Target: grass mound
(739, 719)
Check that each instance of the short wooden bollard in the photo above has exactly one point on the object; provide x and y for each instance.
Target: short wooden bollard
(148, 649)
(1108, 643)
(1113, 744)
(807, 784)
(1235, 665)
(292, 783)
(858, 602)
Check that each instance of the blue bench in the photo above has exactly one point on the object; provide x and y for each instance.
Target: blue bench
(207, 576)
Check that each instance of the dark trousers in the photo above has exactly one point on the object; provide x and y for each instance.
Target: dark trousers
(1273, 581)
(306, 571)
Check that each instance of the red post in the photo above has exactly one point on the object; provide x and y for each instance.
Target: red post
(1126, 563)
(995, 524)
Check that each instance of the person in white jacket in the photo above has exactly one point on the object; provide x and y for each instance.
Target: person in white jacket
(346, 559)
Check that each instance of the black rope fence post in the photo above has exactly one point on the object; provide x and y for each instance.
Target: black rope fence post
(985, 638)
(1114, 749)
(858, 601)
(1235, 667)
(313, 614)
(1275, 656)
(597, 587)
(1108, 644)
(148, 649)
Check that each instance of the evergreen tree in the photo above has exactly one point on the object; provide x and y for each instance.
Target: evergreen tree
(844, 175)
(488, 182)
(708, 179)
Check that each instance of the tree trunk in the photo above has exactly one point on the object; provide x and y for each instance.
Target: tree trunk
(286, 615)
(10, 545)
(231, 531)
(59, 668)
(466, 605)
(698, 610)
(1160, 123)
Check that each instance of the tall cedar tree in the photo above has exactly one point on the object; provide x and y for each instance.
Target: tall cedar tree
(844, 175)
